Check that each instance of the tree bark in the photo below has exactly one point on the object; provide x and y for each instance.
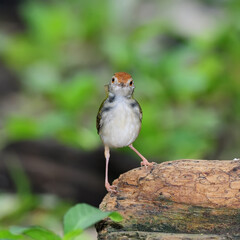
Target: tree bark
(191, 198)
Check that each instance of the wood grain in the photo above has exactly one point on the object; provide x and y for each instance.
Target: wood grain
(183, 196)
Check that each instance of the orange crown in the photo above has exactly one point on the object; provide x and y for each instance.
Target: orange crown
(122, 77)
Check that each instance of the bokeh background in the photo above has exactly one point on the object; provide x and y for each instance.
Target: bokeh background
(55, 58)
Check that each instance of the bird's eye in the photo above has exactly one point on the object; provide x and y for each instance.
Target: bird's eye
(131, 83)
(113, 80)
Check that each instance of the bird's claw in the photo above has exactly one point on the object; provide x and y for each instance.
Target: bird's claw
(111, 188)
(146, 163)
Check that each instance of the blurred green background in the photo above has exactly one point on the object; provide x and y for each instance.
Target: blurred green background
(184, 57)
(184, 60)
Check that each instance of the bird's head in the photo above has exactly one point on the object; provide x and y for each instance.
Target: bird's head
(121, 84)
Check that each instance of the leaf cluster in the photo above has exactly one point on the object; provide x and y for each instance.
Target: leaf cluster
(76, 220)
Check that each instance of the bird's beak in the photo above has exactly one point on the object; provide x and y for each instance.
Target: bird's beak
(121, 84)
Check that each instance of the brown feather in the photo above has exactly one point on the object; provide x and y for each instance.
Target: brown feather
(122, 77)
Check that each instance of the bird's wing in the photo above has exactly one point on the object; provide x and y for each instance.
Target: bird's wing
(98, 122)
(137, 105)
(140, 109)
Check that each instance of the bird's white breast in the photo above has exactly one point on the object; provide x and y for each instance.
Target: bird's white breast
(121, 124)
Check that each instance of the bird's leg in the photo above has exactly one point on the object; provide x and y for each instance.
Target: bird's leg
(144, 162)
(107, 185)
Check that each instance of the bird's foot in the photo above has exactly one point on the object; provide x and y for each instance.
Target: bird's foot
(146, 163)
(111, 188)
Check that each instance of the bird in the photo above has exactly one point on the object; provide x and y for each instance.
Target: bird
(119, 119)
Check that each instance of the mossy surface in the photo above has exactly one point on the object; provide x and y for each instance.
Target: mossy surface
(186, 219)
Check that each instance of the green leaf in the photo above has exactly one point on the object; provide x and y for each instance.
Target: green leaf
(18, 230)
(72, 95)
(71, 235)
(83, 216)
(116, 217)
(5, 234)
(21, 128)
(37, 233)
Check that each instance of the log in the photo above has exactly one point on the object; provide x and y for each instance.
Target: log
(183, 199)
